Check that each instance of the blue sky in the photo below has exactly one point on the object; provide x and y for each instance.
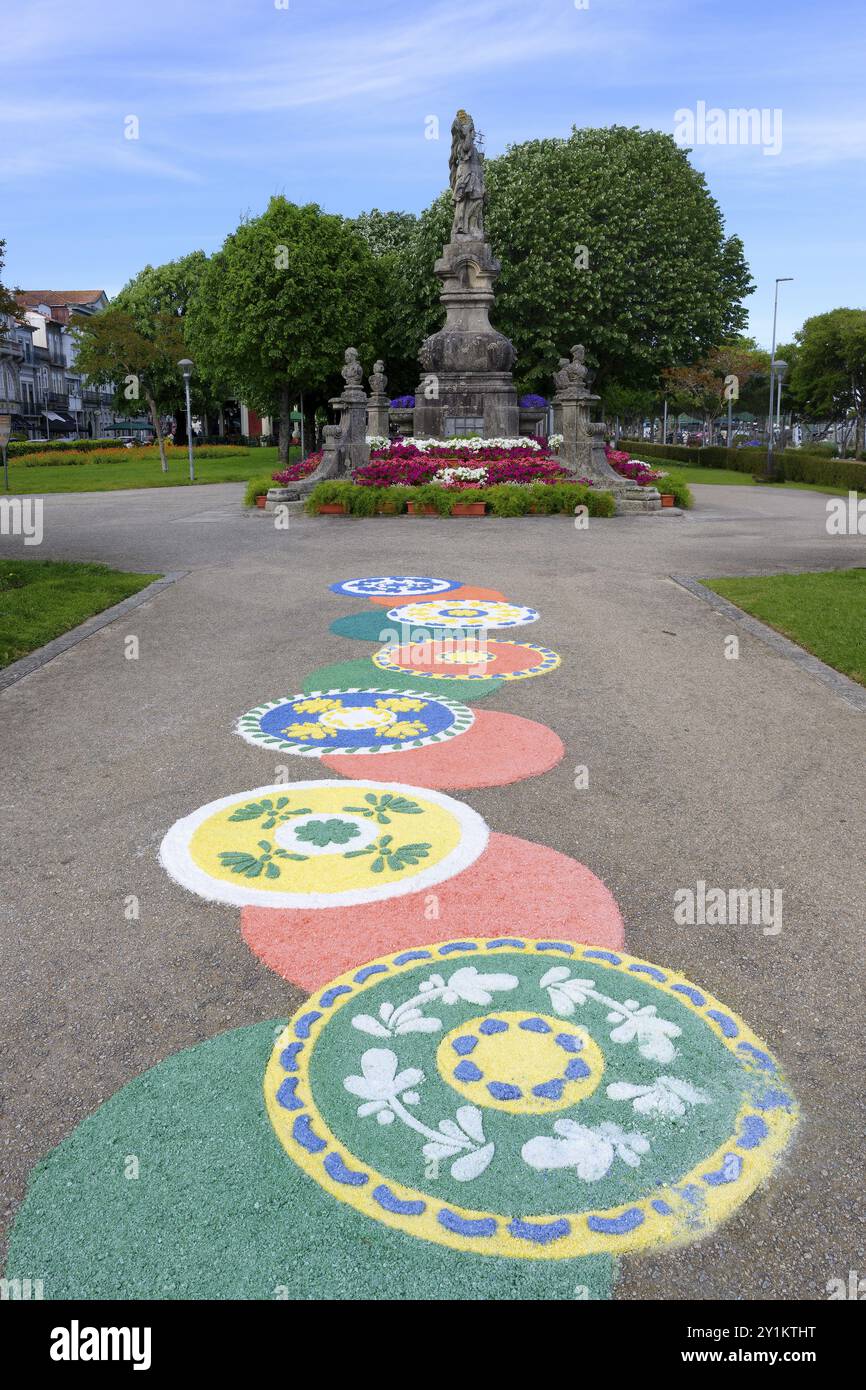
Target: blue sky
(326, 101)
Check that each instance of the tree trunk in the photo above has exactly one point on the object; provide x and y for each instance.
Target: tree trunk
(285, 424)
(154, 415)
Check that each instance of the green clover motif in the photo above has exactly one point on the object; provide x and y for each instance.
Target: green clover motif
(252, 865)
(397, 858)
(381, 808)
(271, 812)
(327, 832)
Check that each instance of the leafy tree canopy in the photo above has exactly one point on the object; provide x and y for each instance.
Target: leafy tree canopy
(828, 372)
(281, 301)
(662, 282)
(8, 303)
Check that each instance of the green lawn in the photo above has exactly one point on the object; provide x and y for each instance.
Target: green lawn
(114, 477)
(733, 478)
(822, 612)
(40, 599)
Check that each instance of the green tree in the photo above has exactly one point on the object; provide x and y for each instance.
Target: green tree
(700, 386)
(389, 236)
(111, 345)
(828, 376)
(154, 295)
(280, 302)
(609, 238)
(9, 306)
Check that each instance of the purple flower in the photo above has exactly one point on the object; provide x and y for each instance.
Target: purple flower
(530, 402)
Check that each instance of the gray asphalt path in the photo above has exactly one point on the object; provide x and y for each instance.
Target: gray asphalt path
(740, 773)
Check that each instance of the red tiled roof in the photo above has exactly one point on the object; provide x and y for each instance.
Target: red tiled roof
(31, 298)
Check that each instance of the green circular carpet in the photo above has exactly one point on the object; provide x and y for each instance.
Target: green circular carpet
(363, 675)
(218, 1211)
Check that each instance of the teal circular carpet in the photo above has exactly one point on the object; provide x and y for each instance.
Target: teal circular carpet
(177, 1188)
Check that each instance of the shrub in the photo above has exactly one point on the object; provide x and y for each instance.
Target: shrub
(504, 499)
(256, 487)
(679, 488)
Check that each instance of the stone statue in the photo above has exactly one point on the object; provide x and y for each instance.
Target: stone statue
(378, 381)
(561, 378)
(577, 370)
(467, 179)
(352, 373)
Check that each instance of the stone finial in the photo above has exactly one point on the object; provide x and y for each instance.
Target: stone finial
(378, 380)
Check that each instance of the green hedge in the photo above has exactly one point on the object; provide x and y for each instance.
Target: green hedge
(503, 500)
(793, 465)
(59, 446)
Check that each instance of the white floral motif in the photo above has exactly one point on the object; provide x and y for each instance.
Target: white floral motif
(466, 984)
(381, 1084)
(589, 1151)
(634, 1024)
(385, 1092)
(667, 1095)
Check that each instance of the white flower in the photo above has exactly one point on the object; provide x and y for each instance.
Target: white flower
(578, 1147)
(667, 1096)
(378, 441)
(381, 1083)
(455, 1138)
(626, 1145)
(652, 1033)
(473, 988)
(565, 994)
(589, 1151)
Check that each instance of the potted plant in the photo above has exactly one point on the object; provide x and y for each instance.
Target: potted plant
(328, 499)
(430, 500)
(256, 494)
(469, 502)
(668, 499)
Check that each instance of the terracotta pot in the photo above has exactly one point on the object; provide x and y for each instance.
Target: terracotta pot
(261, 501)
(668, 499)
(468, 509)
(415, 509)
(332, 509)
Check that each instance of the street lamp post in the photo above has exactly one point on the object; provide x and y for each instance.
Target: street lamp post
(5, 431)
(770, 471)
(186, 365)
(781, 369)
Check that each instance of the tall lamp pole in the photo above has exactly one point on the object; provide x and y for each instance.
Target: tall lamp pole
(5, 431)
(770, 472)
(186, 366)
(781, 369)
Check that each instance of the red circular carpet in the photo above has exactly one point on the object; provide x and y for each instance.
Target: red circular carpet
(496, 749)
(464, 591)
(515, 889)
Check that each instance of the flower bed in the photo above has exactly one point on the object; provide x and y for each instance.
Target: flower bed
(459, 463)
(296, 471)
(643, 474)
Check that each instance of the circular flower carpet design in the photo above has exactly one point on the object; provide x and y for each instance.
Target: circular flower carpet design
(365, 722)
(394, 585)
(525, 1099)
(468, 661)
(469, 614)
(322, 844)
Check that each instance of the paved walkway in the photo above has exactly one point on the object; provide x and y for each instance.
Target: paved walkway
(739, 773)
